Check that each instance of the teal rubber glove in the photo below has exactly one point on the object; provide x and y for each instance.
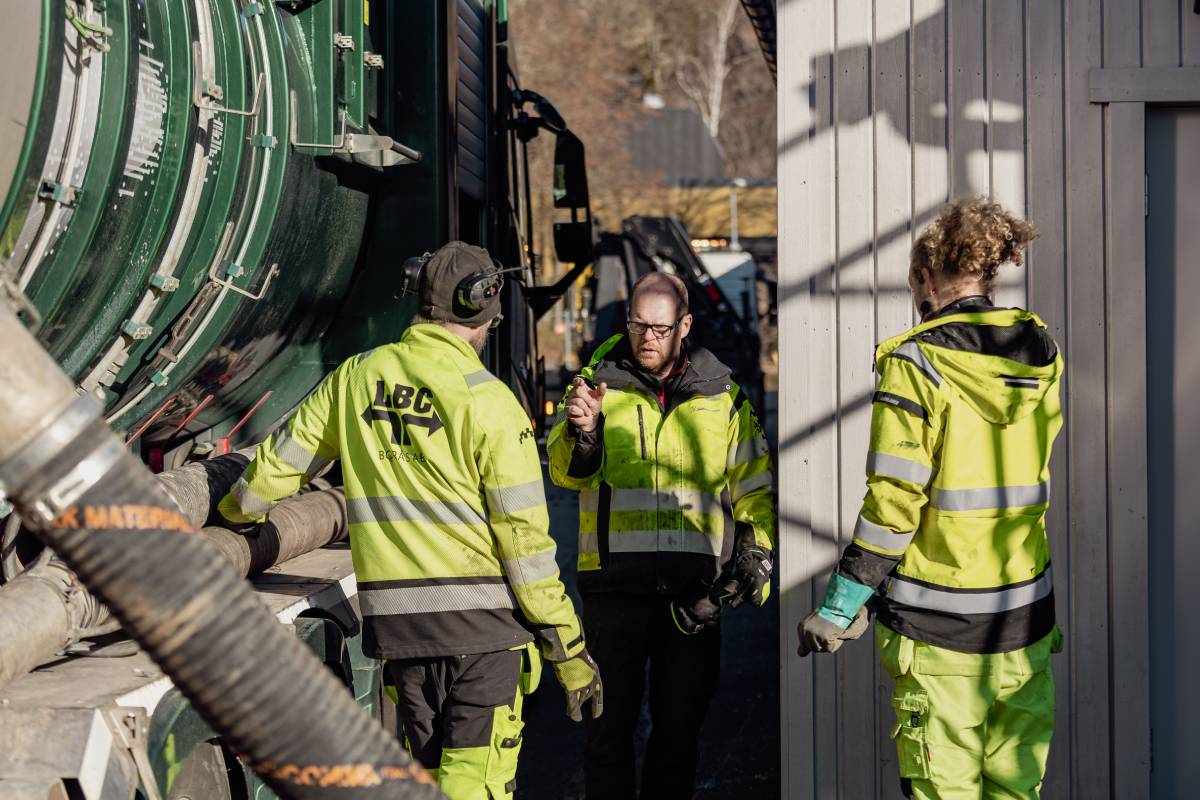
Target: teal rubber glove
(843, 599)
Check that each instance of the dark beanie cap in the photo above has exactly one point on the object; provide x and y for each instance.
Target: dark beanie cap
(447, 268)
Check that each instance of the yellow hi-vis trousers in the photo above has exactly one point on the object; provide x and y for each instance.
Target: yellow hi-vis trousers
(970, 725)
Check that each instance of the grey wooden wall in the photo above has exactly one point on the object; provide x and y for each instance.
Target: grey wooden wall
(887, 108)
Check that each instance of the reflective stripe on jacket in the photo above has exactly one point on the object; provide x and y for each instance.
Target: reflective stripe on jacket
(449, 530)
(952, 529)
(664, 491)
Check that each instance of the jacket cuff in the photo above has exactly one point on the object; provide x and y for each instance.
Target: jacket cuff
(587, 453)
(554, 649)
(866, 566)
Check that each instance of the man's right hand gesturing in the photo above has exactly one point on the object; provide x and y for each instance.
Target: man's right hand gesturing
(583, 406)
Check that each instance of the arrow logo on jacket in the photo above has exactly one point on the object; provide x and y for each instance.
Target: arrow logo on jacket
(403, 397)
(431, 424)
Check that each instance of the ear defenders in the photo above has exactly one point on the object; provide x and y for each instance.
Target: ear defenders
(473, 292)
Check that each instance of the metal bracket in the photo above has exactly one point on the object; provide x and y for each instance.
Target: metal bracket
(231, 273)
(202, 89)
(339, 141)
(372, 60)
(59, 193)
(14, 298)
(390, 152)
(343, 41)
(89, 32)
(130, 728)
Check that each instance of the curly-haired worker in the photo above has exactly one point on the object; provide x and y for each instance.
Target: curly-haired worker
(950, 545)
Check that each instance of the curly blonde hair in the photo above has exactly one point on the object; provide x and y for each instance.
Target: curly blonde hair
(971, 238)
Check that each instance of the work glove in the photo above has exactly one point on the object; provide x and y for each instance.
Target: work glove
(752, 568)
(694, 615)
(701, 609)
(820, 635)
(580, 679)
(231, 517)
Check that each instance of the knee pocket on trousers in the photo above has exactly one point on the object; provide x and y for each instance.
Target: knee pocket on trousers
(912, 748)
(501, 771)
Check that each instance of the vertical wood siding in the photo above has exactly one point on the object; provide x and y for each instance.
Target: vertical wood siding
(887, 109)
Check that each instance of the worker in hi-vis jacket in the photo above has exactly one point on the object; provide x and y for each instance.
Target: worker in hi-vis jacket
(449, 530)
(676, 518)
(950, 546)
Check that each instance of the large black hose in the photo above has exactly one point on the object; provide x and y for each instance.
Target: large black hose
(255, 683)
(198, 487)
(35, 621)
(46, 609)
(258, 686)
(297, 526)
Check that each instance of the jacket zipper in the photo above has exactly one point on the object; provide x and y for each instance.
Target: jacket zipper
(642, 433)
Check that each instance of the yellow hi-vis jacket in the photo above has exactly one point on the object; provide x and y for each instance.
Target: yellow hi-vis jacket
(666, 491)
(449, 531)
(952, 529)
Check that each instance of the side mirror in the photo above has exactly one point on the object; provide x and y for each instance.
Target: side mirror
(570, 172)
(573, 239)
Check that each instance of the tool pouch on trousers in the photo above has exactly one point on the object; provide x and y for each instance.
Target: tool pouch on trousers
(507, 727)
(912, 713)
(500, 774)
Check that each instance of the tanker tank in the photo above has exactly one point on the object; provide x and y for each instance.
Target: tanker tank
(205, 201)
(204, 206)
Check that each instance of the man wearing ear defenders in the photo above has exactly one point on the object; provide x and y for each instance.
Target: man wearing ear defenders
(449, 531)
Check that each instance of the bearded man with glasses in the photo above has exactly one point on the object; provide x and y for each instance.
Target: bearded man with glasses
(676, 517)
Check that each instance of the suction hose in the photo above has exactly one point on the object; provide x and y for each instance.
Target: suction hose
(198, 487)
(36, 619)
(103, 513)
(297, 526)
(45, 609)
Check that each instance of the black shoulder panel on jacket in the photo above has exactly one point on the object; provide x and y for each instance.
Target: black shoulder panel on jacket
(1025, 342)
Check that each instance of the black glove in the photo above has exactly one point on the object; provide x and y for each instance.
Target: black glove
(695, 612)
(580, 678)
(693, 616)
(752, 569)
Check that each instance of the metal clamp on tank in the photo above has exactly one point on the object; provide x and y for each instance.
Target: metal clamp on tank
(10, 293)
(28, 466)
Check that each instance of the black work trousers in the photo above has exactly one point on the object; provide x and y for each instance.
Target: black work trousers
(449, 701)
(625, 632)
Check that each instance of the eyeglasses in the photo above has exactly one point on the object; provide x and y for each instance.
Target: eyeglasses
(660, 331)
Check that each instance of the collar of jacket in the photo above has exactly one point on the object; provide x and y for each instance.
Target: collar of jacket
(614, 364)
(1003, 317)
(974, 302)
(1002, 361)
(424, 334)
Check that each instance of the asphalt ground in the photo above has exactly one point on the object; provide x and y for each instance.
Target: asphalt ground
(739, 745)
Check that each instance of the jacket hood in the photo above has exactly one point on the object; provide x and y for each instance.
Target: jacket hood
(614, 363)
(1002, 362)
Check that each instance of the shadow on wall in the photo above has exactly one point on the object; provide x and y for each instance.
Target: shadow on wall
(917, 117)
(932, 117)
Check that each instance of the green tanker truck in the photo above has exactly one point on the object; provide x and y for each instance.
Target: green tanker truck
(205, 208)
